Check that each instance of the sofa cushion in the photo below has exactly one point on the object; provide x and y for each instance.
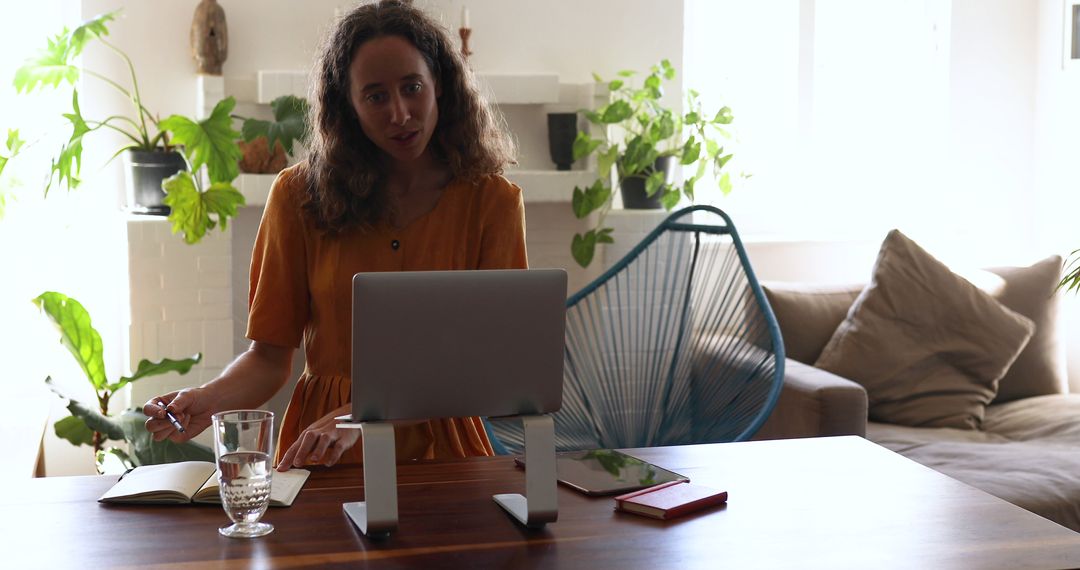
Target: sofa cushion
(928, 346)
(809, 314)
(1026, 455)
(1040, 368)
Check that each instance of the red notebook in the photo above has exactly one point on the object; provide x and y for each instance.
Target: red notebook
(669, 500)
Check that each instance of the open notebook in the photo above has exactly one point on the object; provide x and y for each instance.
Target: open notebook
(192, 482)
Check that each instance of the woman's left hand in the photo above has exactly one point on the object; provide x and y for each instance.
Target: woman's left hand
(321, 443)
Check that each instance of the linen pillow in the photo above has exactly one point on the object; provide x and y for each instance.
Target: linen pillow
(1040, 369)
(927, 345)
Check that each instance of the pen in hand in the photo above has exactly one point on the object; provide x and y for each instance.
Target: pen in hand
(172, 419)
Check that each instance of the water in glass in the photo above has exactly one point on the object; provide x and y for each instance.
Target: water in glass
(245, 485)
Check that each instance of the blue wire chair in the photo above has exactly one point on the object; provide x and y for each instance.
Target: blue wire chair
(675, 344)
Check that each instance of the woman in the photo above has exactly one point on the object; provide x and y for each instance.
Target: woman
(402, 174)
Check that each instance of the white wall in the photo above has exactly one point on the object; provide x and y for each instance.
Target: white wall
(1055, 199)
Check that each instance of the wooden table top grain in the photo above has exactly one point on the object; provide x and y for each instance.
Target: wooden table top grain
(814, 503)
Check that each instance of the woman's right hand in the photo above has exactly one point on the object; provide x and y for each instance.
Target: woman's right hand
(190, 406)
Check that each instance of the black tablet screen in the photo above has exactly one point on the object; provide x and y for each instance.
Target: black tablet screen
(607, 472)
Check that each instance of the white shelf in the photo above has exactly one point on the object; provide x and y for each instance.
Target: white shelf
(520, 88)
(537, 185)
(255, 188)
(550, 185)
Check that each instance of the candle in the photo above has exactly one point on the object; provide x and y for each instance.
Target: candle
(464, 17)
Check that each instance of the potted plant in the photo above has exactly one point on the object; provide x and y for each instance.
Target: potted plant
(654, 141)
(93, 426)
(161, 154)
(260, 136)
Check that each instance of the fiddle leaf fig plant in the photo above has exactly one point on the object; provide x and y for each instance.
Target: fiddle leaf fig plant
(210, 142)
(93, 426)
(651, 137)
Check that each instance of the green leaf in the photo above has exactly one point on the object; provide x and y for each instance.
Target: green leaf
(593, 117)
(579, 203)
(723, 116)
(691, 118)
(95, 420)
(670, 198)
(627, 73)
(584, 145)
(50, 67)
(76, 333)
(654, 182)
(691, 151)
(615, 84)
(640, 155)
(288, 126)
(74, 430)
(652, 82)
(588, 200)
(721, 161)
(211, 141)
(163, 366)
(725, 184)
(66, 166)
(597, 78)
(616, 112)
(712, 148)
(14, 143)
(114, 461)
(604, 236)
(192, 210)
(93, 28)
(53, 65)
(150, 452)
(688, 187)
(583, 248)
(668, 69)
(605, 160)
(598, 194)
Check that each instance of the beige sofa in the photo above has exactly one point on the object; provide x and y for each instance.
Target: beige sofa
(1026, 448)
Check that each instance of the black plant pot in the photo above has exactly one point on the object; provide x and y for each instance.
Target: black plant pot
(633, 188)
(562, 130)
(145, 172)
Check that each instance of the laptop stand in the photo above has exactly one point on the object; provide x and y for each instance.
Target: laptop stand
(377, 515)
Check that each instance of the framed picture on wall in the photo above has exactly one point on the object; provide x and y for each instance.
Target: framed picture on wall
(1071, 35)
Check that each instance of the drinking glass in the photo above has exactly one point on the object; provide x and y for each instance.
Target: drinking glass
(243, 442)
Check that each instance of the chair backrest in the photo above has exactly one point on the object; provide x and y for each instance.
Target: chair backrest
(674, 344)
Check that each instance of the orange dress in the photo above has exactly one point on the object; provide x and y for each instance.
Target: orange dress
(301, 289)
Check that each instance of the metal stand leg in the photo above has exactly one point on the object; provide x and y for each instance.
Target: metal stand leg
(377, 514)
(541, 506)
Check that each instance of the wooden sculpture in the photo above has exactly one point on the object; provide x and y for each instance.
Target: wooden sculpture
(209, 37)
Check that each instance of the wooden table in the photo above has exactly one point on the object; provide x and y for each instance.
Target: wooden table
(829, 502)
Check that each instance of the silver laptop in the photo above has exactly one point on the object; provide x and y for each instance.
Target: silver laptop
(431, 344)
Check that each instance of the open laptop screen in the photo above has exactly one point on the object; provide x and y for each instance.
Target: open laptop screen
(431, 344)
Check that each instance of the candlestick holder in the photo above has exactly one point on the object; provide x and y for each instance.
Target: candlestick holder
(465, 33)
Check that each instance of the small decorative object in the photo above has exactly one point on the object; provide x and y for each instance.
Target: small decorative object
(465, 31)
(209, 37)
(562, 129)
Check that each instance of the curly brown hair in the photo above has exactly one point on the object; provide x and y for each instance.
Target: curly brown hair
(344, 170)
